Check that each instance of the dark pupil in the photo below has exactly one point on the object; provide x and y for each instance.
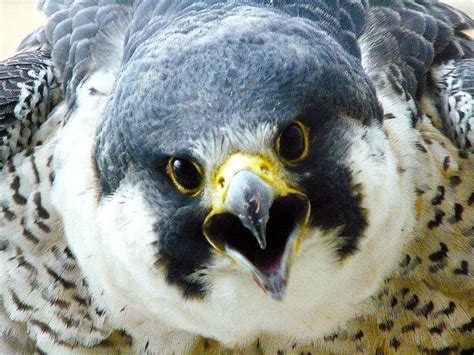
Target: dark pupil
(186, 174)
(292, 143)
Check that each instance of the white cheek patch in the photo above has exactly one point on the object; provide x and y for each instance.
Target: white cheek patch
(128, 240)
(126, 231)
(387, 198)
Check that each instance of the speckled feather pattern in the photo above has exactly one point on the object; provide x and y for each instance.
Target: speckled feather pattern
(28, 92)
(455, 82)
(42, 284)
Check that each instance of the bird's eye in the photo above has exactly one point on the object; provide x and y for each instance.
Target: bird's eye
(186, 175)
(292, 144)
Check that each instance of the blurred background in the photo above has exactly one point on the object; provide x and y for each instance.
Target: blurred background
(19, 17)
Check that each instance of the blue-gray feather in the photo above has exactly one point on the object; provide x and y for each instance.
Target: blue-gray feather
(407, 36)
(423, 31)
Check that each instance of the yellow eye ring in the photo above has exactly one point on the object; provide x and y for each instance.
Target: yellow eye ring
(292, 145)
(186, 175)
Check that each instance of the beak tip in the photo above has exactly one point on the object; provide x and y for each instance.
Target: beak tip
(262, 243)
(274, 286)
(277, 296)
(260, 234)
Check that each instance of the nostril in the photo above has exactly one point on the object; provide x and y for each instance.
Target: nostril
(221, 182)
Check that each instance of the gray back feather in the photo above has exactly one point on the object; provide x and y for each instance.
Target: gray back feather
(83, 36)
(402, 38)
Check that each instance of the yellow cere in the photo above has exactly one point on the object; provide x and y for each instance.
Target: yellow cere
(271, 172)
(263, 167)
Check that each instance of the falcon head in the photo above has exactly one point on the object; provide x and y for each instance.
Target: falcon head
(243, 169)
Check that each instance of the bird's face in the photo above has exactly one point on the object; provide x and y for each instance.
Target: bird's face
(243, 157)
(257, 215)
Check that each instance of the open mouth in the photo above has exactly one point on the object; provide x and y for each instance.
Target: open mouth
(286, 216)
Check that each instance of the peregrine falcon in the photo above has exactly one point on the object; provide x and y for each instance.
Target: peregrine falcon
(285, 176)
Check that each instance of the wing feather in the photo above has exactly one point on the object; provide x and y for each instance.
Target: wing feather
(28, 92)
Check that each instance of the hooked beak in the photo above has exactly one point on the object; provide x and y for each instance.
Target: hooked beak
(256, 219)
